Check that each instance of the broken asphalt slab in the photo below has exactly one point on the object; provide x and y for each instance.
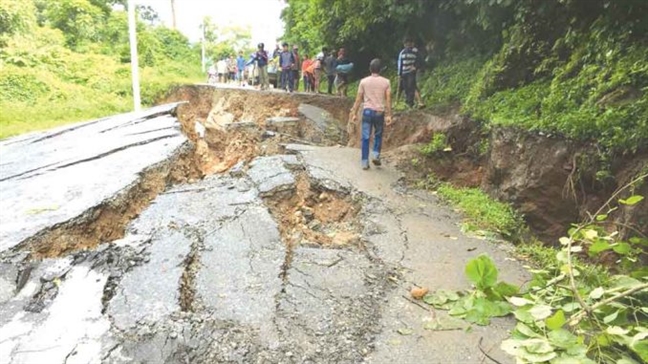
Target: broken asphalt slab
(52, 177)
(203, 274)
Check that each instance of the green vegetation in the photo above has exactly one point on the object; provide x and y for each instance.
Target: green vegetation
(573, 67)
(68, 60)
(482, 212)
(565, 315)
(571, 311)
(436, 145)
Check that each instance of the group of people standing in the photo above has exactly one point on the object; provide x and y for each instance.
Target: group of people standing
(374, 91)
(325, 63)
(228, 69)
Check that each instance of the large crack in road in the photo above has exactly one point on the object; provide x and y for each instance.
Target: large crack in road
(230, 246)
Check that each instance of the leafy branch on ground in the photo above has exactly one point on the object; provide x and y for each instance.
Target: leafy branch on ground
(569, 312)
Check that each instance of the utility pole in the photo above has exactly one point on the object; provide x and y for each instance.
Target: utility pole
(202, 45)
(132, 30)
(173, 14)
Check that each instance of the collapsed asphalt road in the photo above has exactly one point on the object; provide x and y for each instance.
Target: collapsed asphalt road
(108, 256)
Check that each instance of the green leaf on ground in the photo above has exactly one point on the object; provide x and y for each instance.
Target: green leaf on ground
(503, 289)
(523, 314)
(405, 331)
(529, 350)
(441, 299)
(526, 331)
(446, 323)
(556, 321)
(519, 301)
(562, 338)
(483, 310)
(482, 272)
(540, 312)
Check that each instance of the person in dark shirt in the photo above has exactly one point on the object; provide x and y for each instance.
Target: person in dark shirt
(261, 59)
(287, 63)
(408, 63)
(329, 68)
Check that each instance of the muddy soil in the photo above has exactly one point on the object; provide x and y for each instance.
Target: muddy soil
(314, 216)
(548, 179)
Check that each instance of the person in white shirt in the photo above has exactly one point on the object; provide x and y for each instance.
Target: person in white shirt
(211, 74)
(221, 66)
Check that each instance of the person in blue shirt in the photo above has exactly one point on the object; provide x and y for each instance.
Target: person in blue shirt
(240, 66)
(408, 63)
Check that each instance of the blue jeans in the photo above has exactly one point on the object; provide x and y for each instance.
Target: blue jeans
(371, 119)
(287, 79)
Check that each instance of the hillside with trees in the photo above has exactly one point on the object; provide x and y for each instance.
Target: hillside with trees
(577, 68)
(69, 60)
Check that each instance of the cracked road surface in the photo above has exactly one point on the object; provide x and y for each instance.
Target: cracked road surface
(206, 274)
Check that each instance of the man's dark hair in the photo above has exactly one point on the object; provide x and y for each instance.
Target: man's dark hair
(324, 49)
(375, 65)
(284, 44)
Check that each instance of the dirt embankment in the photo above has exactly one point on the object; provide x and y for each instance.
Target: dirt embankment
(550, 180)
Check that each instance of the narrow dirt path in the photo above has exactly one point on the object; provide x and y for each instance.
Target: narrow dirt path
(421, 240)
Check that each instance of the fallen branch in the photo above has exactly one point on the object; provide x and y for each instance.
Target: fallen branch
(484, 351)
(586, 309)
(416, 303)
(580, 314)
(572, 281)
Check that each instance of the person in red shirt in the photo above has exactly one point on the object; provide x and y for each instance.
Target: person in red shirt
(305, 67)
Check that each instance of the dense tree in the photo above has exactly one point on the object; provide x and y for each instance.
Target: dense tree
(554, 65)
(222, 42)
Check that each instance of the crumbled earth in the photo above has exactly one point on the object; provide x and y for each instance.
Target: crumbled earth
(243, 241)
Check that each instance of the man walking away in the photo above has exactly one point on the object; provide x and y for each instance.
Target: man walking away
(374, 92)
(261, 59)
(329, 67)
(407, 64)
(286, 63)
(240, 66)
